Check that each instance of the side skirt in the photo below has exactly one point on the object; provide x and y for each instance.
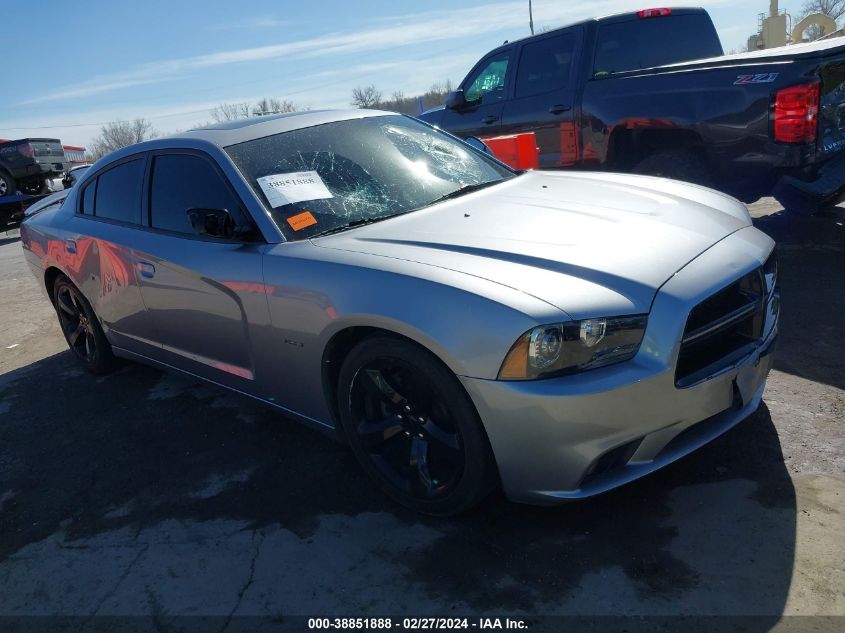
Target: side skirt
(323, 427)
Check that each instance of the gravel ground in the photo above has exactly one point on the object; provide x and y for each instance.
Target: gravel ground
(144, 494)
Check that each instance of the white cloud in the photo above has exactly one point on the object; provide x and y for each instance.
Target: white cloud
(255, 22)
(414, 29)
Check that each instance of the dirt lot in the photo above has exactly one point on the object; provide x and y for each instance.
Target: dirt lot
(143, 494)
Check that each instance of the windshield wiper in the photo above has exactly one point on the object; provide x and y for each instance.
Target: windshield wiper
(464, 189)
(352, 224)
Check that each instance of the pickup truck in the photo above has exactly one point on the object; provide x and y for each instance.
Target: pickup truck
(650, 92)
(26, 165)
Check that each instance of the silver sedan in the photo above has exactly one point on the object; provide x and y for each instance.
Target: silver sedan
(459, 324)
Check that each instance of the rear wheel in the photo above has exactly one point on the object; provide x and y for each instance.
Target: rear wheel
(804, 207)
(81, 328)
(677, 165)
(413, 428)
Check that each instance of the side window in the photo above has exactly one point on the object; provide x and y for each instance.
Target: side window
(182, 182)
(488, 84)
(118, 194)
(88, 198)
(545, 65)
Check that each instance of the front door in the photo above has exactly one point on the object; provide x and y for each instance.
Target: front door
(203, 294)
(485, 90)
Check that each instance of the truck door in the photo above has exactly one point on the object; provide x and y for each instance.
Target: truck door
(485, 90)
(544, 96)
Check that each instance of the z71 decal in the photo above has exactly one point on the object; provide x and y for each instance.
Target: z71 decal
(763, 78)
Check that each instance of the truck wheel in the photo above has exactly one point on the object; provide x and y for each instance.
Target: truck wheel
(803, 207)
(7, 185)
(677, 165)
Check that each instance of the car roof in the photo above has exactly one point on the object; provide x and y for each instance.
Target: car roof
(233, 132)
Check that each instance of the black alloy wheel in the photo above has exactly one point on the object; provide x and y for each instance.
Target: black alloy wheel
(81, 329)
(413, 428)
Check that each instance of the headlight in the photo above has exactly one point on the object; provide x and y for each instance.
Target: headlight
(564, 348)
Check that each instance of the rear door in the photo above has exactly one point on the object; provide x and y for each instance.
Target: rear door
(97, 252)
(485, 89)
(204, 294)
(544, 96)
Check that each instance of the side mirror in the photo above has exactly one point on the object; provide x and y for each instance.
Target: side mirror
(455, 100)
(213, 222)
(478, 144)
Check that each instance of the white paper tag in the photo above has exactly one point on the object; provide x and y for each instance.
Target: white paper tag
(282, 189)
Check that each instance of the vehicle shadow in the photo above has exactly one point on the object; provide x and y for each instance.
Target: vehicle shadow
(81, 455)
(811, 256)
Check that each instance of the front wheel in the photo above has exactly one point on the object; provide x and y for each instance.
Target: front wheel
(413, 428)
(81, 328)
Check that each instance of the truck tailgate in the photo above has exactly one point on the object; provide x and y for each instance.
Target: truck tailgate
(47, 150)
(832, 107)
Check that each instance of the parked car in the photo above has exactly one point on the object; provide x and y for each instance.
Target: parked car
(457, 323)
(27, 165)
(73, 174)
(648, 93)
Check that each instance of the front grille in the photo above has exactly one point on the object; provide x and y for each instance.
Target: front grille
(725, 326)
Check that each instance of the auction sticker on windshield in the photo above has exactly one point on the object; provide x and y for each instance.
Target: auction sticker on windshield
(282, 189)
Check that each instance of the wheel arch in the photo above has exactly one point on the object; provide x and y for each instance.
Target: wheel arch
(343, 341)
(51, 273)
(631, 146)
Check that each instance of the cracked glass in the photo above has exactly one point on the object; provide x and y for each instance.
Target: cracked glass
(374, 168)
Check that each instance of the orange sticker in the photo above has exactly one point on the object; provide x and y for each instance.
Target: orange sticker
(301, 221)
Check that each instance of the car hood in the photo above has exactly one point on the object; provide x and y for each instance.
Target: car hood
(590, 244)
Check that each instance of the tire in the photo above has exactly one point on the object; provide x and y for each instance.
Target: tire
(677, 165)
(7, 185)
(413, 428)
(804, 208)
(81, 329)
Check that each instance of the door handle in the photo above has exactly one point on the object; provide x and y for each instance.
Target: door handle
(489, 119)
(559, 108)
(70, 246)
(146, 269)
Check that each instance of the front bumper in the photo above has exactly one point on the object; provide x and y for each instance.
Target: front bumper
(578, 436)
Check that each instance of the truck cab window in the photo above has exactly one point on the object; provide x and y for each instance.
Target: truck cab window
(545, 65)
(488, 84)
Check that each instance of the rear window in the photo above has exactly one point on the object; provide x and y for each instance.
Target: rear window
(118, 194)
(650, 42)
(545, 65)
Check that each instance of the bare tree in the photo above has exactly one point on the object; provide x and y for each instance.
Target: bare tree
(367, 97)
(230, 112)
(119, 134)
(273, 106)
(371, 97)
(832, 8)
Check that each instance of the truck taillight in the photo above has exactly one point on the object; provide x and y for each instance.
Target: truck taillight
(26, 150)
(797, 113)
(654, 13)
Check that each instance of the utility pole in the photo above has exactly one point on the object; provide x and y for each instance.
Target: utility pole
(530, 18)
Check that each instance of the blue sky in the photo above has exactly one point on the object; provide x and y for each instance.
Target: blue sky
(80, 64)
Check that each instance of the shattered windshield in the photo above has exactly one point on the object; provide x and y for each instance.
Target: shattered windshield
(323, 178)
